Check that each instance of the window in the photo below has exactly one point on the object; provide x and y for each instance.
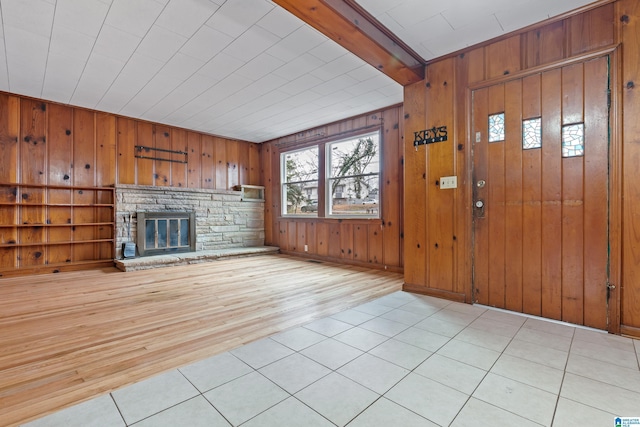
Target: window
(353, 177)
(573, 140)
(496, 127)
(300, 182)
(532, 133)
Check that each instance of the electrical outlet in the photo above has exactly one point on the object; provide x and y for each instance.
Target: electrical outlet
(306, 248)
(448, 182)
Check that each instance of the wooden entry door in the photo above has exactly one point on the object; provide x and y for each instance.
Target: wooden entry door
(540, 177)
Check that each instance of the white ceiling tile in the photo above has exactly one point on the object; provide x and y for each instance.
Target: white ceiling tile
(236, 16)
(135, 17)
(409, 13)
(120, 93)
(221, 66)
(141, 67)
(160, 43)
(69, 42)
(4, 74)
(186, 16)
(225, 88)
(36, 16)
(280, 22)
(364, 72)
(82, 16)
(251, 43)
(62, 76)
(206, 43)
(525, 14)
(260, 66)
(328, 51)
(301, 84)
(337, 67)
(153, 92)
(486, 28)
(299, 66)
(295, 44)
(183, 94)
(26, 58)
(182, 66)
(306, 97)
(97, 77)
(115, 43)
(376, 7)
(460, 13)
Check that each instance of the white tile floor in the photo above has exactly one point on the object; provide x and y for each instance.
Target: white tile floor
(402, 360)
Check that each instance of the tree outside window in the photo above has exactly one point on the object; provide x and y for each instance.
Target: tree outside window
(353, 176)
(300, 182)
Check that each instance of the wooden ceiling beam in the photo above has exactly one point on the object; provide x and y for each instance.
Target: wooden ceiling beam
(351, 27)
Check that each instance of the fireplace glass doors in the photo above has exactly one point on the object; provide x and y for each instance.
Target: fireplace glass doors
(166, 232)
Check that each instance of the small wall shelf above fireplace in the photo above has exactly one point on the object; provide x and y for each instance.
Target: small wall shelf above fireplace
(166, 232)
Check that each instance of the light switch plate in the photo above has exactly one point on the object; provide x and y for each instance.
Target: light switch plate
(448, 182)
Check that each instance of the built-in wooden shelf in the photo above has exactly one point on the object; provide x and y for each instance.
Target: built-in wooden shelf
(42, 226)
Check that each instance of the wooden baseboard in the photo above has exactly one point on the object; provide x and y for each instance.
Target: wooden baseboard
(453, 296)
(55, 268)
(393, 269)
(630, 331)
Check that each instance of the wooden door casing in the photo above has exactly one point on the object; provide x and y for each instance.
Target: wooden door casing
(541, 239)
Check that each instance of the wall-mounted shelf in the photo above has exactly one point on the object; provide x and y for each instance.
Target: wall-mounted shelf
(251, 193)
(44, 226)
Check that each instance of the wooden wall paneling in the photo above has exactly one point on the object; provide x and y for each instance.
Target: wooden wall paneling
(209, 162)
(375, 248)
(254, 165)
(9, 162)
(548, 303)
(496, 202)
(301, 235)
(476, 59)
(144, 167)
(83, 175)
(33, 168)
(84, 153)
(233, 163)
(244, 163)
(480, 113)
(266, 174)
(283, 241)
(179, 142)
(322, 230)
(312, 238)
(545, 44)
(105, 149)
(531, 179)
(126, 163)
(60, 155)
(292, 235)
(629, 13)
(440, 162)
(220, 165)
(391, 186)
(591, 30)
(162, 168)
(572, 202)
(335, 240)
(513, 195)
(346, 240)
(415, 192)
(360, 242)
(503, 57)
(596, 191)
(194, 160)
(9, 133)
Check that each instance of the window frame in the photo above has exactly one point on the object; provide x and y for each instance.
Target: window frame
(328, 179)
(284, 183)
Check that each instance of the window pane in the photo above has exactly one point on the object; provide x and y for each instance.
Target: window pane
(573, 140)
(162, 233)
(302, 199)
(150, 234)
(344, 192)
(173, 232)
(355, 156)
(300, 182)
(496, 127)
(184, 232)
(531, 133)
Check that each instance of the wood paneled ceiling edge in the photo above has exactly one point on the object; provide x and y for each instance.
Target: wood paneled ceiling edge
(353, 28)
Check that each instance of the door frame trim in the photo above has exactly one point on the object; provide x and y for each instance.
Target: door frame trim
(615, 170)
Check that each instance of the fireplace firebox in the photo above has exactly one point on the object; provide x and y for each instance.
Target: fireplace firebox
(166, 232)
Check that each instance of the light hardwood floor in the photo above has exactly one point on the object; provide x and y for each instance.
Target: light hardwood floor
(67, 337)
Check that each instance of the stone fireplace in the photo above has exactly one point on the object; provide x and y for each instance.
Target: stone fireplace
(219, 219)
